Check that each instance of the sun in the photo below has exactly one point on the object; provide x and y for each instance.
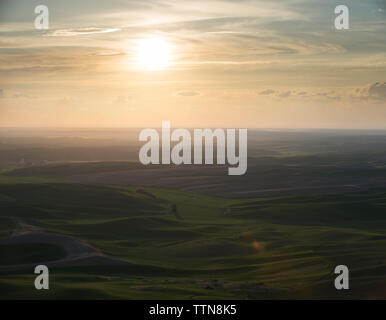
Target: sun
(153, 53)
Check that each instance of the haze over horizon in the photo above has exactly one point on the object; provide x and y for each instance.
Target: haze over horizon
(222, 63)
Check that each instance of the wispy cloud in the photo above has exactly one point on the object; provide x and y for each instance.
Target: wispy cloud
(268, 92)
(80, 32)
(296, 94)
(188, 93)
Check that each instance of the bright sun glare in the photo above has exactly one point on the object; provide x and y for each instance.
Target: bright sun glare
(153, 54)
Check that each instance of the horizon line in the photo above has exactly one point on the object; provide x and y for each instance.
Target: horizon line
(191, 127)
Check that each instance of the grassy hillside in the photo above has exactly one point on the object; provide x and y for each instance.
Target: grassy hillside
(185, 245)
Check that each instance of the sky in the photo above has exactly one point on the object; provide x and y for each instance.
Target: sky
(230, 63)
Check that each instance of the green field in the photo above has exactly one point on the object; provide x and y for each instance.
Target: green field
(205, 248)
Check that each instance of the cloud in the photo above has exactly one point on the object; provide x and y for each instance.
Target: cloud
(301, 94)
(329, 95)
(267, 92)
(16, 95)
(107, 53)
(36, 69)
(285, 94)
(22, 95)
(188, 93)
(65, 101)
(80, 31)
(377, 91)
(122, 100)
